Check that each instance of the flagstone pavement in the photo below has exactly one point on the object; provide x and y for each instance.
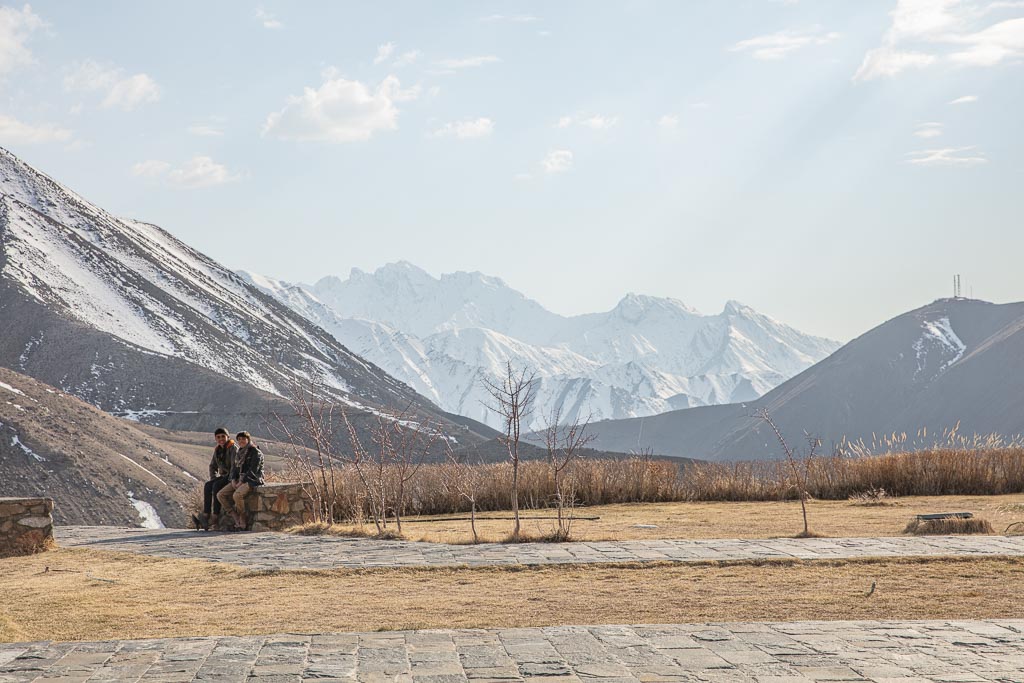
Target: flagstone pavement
(287, 551)
(882, 652)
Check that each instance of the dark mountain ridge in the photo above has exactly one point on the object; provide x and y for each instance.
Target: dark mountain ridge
(954, 362)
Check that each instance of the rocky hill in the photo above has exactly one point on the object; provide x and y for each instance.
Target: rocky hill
(98, 468)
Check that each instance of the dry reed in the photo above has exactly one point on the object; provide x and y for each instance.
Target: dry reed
(957, 467)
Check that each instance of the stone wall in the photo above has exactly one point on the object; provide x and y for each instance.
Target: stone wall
(278, 506)
(26, 525)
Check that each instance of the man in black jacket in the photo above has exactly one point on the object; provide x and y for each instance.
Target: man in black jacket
(220, 468)
(245, 476)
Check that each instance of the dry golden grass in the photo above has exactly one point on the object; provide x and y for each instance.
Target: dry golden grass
(832, 518)
(149, 597)
(953, 466)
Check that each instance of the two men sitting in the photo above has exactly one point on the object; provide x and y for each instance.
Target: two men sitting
(236, 469)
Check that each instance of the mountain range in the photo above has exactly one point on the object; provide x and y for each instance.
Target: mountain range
(123, 315)
(445, 336)
(953, 364)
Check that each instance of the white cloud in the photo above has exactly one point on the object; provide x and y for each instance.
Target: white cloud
(201, 171)
(14, 131)
(593, 122)
(466, 129)
(16, 28)
(668, 122)
(598, 122)
(782, 43)
(886, 61)
(121, 91)
(384, 51)
(931, 32)
(950, 156)
(267, 19)
(205, 130)
(130, 92)
(340, 110)
(966, 99)
(151, 168)
(512, 18)
(557, 161)
(929, 130)
(407, 58)
(467, 62)
(992, 45)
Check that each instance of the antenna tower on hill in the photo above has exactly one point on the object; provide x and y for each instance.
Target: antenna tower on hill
(956, 287)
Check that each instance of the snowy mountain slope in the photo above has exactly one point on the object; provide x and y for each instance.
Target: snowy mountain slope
(952, 362)
(125, 316)
(647, 355)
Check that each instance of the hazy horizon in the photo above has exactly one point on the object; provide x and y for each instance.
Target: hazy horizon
(830, 164)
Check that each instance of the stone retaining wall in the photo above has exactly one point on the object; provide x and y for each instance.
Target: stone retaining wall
(26, 525)
(278, 506)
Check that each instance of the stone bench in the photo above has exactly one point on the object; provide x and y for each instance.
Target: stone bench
(275, 506)
(26, 525)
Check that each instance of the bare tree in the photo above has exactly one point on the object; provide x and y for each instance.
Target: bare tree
(512, 399)
(404, 444)
(465, 480)
(370, 472)
(796, 463)
(565, 444)
(310, 437)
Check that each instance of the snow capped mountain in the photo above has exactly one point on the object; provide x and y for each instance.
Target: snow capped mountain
(122, 314)
(405, 297)
(647, 355)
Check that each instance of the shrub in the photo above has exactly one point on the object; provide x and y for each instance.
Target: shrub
(946, 527)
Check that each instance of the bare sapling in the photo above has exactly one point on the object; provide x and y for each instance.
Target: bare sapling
(404, 444)
(564, 444)
(465, 480)
(511, 398)
(797, 465)
(309, 435)
(369, 472)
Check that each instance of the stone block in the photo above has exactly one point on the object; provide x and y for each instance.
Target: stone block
(25, 525)
(281, 505)
(36, 522)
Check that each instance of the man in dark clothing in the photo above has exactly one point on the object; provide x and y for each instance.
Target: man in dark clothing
(246, 475)
(220, 470)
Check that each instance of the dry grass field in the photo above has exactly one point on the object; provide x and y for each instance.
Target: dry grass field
(90, 595)
(834, 518)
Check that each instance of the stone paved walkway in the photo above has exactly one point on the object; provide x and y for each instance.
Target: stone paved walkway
(286, 551)
(883, 652)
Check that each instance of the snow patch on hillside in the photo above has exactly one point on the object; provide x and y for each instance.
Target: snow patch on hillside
(937, 338)
(147, 513)
(150, 473)
(8, 387)
(16, 441)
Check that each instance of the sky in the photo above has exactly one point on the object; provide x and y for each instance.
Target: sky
(830, 163)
